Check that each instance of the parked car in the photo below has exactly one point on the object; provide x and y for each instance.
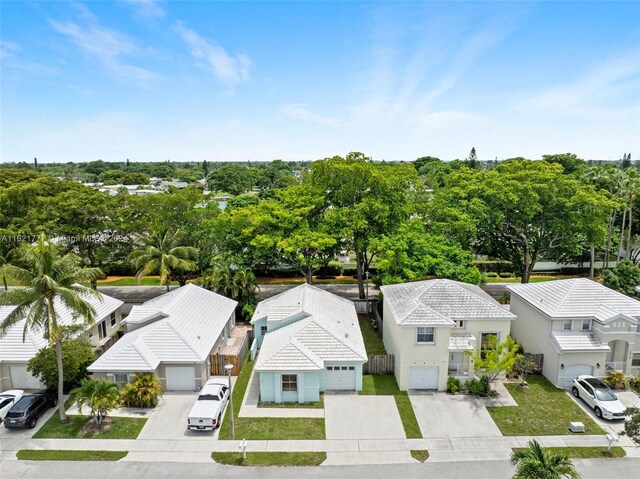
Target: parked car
(27, 411)
(206, 413)
(8, 399)
(599, 397)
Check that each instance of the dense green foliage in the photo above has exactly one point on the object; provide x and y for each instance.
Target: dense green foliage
(624, 277)
(538, 463)
(143, 391)
(101, 396)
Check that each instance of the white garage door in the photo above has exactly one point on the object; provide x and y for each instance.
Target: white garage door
(572, 372)
(181, 378)
(23, 379)
(340, 378)
(423, 378)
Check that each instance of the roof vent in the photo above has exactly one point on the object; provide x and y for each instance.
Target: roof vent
(346, 335)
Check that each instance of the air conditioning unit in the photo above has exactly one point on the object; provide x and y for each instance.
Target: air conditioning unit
(576, 427)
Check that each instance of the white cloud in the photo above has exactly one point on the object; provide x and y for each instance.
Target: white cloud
(105, 45)
(230, 69)
(147, 8)
(301, 111)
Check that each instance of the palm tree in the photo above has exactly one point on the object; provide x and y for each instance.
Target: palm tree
(7, 254)
(101, 396)
(234, 282)
(49, 281)
(161, 255)
(536, 463)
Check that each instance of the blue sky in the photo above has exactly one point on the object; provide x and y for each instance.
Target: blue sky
(188, 81)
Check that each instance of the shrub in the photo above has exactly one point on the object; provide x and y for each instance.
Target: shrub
(615, 380)
(493, 265)
(479, 387)
(491, 274)
(506, 275)
(635, 383)
(143, 391)
(453, 385)
(332, 268)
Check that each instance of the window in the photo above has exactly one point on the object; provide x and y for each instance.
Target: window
(289, 383)
(635, 359)
(329, 368)
(121, 379)
(102, 330)
(263, 330)
(566, 325)
(460, 324)
(113, 319)
(426, 335)
(352, 368)
(586, 325)
(488, 341)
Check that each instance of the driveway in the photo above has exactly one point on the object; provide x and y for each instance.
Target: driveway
(27, 433)
(628, 398)
(350, 416)
(444, 415)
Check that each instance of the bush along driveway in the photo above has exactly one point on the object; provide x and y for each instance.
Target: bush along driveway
(543, 410)
(266, 428)
(386, 385)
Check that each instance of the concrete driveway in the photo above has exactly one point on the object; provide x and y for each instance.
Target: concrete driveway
(628, 398)
(350, 416)
(27, 433)
(444, 415)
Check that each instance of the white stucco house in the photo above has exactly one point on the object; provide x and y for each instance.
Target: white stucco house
(580, 326)
(16, 353)
(309, 341)
(173, 336)
(429, 325)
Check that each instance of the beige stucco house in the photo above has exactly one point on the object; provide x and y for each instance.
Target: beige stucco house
(580, 326)
(429, 325)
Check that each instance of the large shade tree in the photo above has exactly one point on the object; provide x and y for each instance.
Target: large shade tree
(46, 283)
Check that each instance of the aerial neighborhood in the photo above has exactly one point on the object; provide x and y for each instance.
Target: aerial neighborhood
(319, 239)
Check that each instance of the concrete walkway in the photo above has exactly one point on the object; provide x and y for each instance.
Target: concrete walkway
(503, 397)
(250, 407)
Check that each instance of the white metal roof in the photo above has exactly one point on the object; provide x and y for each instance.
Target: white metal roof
(440, 302)
(327, 330)
(577, 298)
(576, 341)
(462, 341)
(12, 346)
(193, 321)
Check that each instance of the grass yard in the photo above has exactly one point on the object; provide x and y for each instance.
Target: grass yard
(582, 452)
(543, 410)
(300, 280)
(258, 428)
(294, 405)
(121, 428)
(386, 385)
(67, 455)
(372, 340)
(132, 281)
(420, 454)
(270, 458)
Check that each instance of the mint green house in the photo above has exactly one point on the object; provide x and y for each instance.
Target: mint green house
(307, 341)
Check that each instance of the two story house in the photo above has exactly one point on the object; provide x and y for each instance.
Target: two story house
(429, 326)
(580, 326)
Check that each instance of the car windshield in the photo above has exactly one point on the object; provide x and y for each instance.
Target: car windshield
(5, 401)
(605, 395)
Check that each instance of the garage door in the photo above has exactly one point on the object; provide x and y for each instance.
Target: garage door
(572, 372)
(423, 378)
(181, 378)
(23, 379)
(340, 378)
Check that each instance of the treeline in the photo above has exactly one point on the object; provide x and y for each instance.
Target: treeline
(409, 220)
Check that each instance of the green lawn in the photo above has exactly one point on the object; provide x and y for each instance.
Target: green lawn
(372, 340)
(543, 410)
(582, 452)
(121, 428)
(532, 279)
(67, 455)
(132, 281)
(386, 385)
(294, 405)
(258, 428)
(420, 454)
(270, 458)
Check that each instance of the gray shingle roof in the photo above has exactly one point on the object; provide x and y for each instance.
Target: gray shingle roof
(440, 302)
(193, 321)
(578, 341)
(577, 298)
(326, 329)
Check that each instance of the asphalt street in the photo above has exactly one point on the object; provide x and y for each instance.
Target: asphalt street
(589, 469)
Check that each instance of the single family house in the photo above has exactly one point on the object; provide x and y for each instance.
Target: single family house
(430, 325)
(309, 341)
(173, 336)
(580, 326)
(15, 352)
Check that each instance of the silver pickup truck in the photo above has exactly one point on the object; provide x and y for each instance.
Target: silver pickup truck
(206, 413)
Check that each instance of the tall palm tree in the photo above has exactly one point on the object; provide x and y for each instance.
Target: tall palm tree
(47, 282)
(161, 255)
(536, 463)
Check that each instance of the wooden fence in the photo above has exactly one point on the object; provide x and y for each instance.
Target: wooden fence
(218, 361)
(379, 364)
(536, 358)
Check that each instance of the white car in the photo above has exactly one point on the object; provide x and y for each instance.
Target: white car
(206, 413)
(8, 399)
(599, 397)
